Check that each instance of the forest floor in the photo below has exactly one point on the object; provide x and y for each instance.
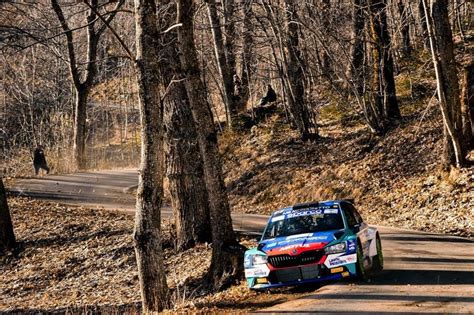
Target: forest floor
(74, 259)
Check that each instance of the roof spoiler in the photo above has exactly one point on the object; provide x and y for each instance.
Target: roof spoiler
(351, 200)
(315, 203)
(305, 205)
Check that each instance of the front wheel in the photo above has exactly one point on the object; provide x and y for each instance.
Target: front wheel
(361, 272)
(377, 260)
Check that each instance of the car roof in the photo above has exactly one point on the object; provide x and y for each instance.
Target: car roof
(313, 204)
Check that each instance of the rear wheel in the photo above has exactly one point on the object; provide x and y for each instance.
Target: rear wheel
(377, 260)
(361, 272)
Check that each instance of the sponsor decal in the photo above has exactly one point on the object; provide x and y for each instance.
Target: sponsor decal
(337, 260)
(337, 270)
(262, 280)
(257, 271)
(351, 246)
(285, 248)
(329, 211)
(319, 238)
(297, 240)
(299, 213)
(298, 236)
(278, 218)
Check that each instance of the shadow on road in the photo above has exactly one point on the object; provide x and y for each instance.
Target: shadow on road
(427, 238)
(423, 277)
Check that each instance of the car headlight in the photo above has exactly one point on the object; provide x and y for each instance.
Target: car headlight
(336, 248)
(252, 260)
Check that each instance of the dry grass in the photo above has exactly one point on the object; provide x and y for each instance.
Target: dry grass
(78, 260)
(268, 168)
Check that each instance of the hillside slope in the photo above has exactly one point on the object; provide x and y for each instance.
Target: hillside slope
(395, 180)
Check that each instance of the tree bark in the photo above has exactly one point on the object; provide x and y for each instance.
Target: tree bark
(223, 60)
(183, 160)
(246, 65)
(147, 238)
(442, 51)
(297, 107)
(226, 265)
(467, 106)
(80, 127)
(423, 28)
(383, 83)
(7, 235)
(405, 28)
(355, 69)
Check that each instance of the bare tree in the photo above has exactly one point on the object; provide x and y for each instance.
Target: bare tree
(225, 57)
(7, 236)
(151, 273)
(246, 56)
(292, 65)
(184, 163)
(226, 263)
(442, 51)
(83, 85)
(356, 64)
(383, 80)
(405, 27)
(467, 99)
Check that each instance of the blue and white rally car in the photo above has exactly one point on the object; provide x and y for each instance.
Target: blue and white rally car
(313, 242)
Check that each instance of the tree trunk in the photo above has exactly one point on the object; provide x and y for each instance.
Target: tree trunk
(184, 163)
(151, 273)
(297, 107)
(442, 51)
(423, 27)
(7, 236)
(405, 28)
(226, 73)
(355, 69)
(326, 60)
(226, 265)
(383, 84)
(80, 116)
(246, 65)
(467, 106)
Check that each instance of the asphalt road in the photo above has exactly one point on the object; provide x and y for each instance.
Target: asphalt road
(424, 273)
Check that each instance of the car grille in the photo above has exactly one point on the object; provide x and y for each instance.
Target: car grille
(295, 274)
(308, 257)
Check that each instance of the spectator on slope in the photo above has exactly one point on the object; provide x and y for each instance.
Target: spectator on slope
(39, 160)
(269, 98)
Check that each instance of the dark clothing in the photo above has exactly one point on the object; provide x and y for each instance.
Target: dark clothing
(269, 98)
(41, 166)
(39, 161)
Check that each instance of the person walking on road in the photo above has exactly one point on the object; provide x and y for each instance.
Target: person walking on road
(39, 160)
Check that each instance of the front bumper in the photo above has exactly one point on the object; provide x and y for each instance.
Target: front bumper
(298, 275)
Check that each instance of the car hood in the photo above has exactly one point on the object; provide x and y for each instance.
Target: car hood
(297, 243)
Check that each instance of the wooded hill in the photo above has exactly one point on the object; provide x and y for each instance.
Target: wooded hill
(369, 96)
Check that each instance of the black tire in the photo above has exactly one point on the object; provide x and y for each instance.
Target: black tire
(377, 260)
(361, 272)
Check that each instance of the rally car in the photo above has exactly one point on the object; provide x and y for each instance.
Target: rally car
(313, 242)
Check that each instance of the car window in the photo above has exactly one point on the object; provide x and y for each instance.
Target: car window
(350, 214)
(309, 222)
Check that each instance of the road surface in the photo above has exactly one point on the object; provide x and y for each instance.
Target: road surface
(424, 273)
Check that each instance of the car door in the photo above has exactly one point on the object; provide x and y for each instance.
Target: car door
(358, 226)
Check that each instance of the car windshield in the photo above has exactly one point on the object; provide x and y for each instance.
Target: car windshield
(304, 221)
